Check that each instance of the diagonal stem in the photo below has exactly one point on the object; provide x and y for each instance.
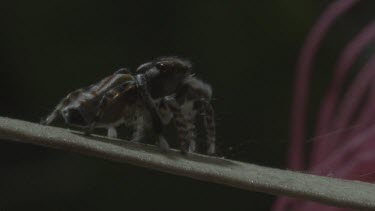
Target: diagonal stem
(344, 193)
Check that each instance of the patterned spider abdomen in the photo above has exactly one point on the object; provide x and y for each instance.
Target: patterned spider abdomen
(117, 94)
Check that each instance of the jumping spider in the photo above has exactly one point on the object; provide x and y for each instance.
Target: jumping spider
(159, 92)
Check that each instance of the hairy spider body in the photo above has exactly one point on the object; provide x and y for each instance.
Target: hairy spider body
(80, 107)
(158, 93)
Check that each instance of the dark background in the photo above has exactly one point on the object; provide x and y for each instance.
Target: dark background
(246, 50)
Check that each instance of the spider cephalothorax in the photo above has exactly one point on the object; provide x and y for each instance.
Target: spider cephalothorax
(158, 92)
(165, 75)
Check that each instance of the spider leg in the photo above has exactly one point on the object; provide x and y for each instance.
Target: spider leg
(209, 123)
(191, 136)
(157, 123)
(64, 102)
(106, 100)
(150, 105)
(184, 128)
(138, 133)
(112, 133)
(123, 71)
(188, 124)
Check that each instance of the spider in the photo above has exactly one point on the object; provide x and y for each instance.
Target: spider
(158, 93)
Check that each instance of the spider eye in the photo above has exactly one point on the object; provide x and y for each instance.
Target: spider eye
(162, 67)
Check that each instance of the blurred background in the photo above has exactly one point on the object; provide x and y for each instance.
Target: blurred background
(246, 50)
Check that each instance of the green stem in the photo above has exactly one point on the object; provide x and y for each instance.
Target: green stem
(337, 192)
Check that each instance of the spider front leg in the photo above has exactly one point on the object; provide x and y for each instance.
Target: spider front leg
(139, 130)
(149, 104)
(64, 102)
(157, 123)
(209, 123)
(185, 128)
(191, 135)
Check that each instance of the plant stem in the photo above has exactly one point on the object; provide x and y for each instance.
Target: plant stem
(343, 193)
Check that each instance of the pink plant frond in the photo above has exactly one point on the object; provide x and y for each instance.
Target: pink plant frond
(313, 206)
(355, 169)
(344, 64)
(362, 84)
(347, 109)
(345, 153)
(360, 166)
(304, 69)
(285, 203)
(365, 118)
(301, 90)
